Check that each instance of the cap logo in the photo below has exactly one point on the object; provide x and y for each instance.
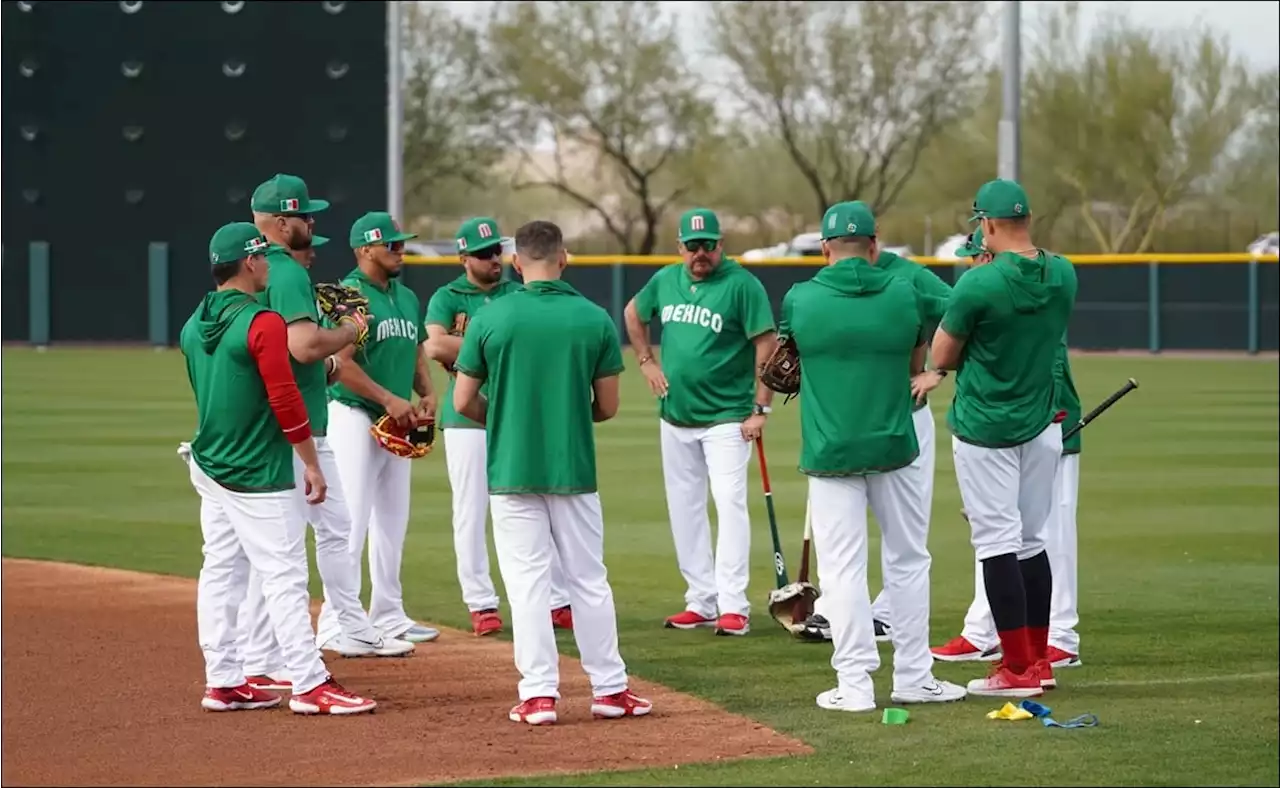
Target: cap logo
(697, 222)
(462, 244)
(289, 205)
(372, 236)
(485, 230)
(255, 245)
(831, 223)
(213, 257)
(853, 228)
(1017, 207)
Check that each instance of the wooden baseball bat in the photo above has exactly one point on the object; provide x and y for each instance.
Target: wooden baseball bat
(804, 555)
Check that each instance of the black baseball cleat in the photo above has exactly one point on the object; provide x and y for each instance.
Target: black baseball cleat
(816, 629)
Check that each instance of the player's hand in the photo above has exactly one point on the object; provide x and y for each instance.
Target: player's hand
(314, 484)
(652, 372)
(923, 383)
(402, 412)
(427, 407)
(753, 427)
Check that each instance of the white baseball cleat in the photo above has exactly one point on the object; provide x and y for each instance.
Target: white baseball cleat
(841, 700)
(348, 646)
(932, 691)
(418, 633)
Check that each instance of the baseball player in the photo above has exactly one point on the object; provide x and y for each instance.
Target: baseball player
(380, 378)
(717, 329)
(282, 211)
(448, 312)
(542, 468)
(860, 332)
(251, 420)
(977, 641)
(1002, 331)
(933, 294)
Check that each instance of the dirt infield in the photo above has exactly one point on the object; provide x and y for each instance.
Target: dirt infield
(103, 679)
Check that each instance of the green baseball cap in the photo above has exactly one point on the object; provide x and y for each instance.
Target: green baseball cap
(973, 245)
(285, 194)
(318, 241)
(1000, 199)
(699, 224)
(236, 241)
(477, 234)
(845, 219)
(376, 227)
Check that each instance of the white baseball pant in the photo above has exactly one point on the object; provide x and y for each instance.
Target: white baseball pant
(839, 520)
(926, 437)
(466, 459)
(1064, 617)
(331, 522)
(376, 483)
(692, 457)
(527, 531)
(258, 531)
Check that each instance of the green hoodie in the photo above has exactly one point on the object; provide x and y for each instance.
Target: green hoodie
(855, 326)
(932, 292)
(708, 332)
(456, 303)
(238, 442)
(1012, 314)
(541, 350)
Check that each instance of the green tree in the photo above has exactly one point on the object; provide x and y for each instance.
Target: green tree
(457, 122)
(1131, 122)
(613, 103)
(855, 91)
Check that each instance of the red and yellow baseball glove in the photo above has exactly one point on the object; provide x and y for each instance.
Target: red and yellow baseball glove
(410, 442)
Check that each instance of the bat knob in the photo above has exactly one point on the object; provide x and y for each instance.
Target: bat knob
(1133, 383)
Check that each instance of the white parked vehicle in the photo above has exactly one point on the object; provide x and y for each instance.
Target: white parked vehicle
(1267, 244)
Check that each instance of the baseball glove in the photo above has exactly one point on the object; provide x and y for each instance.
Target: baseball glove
(792, 605)
(408, 442)
(781, 371)
(340, 303)
(460, 323)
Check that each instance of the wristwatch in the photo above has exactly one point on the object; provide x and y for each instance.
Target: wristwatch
(761, 410)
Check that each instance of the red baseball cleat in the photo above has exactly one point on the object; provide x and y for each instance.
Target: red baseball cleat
(330, 698)
(486, 622)
(622, 704)
(688, 620)
(1004, 683)
(733, 624)
(534, 711)
(958, 649)
(562, 618)
(242, 698)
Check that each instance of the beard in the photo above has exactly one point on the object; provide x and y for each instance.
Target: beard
(299, 240)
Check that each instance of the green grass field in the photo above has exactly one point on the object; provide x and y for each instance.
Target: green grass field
(1178, 572)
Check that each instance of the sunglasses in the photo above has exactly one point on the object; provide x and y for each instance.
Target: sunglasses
(489, 253)
(701, 245)
(395, 246)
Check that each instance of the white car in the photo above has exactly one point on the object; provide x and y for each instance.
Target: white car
(1267, 244)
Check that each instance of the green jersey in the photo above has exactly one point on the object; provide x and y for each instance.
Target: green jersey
(540, 350)
(1012, 314)
(932, 292)
(290, 292)
(238, 442)
(1067, 398)
(855, 326)
(461, 298)
(708, 353)
(390, 354)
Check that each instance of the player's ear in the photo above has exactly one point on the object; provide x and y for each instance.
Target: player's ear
(516, 264)
(564, 258)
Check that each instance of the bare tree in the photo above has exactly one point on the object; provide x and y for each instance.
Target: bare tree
(608, 81)
(1132, 122)
(457, 122)
(855, 91)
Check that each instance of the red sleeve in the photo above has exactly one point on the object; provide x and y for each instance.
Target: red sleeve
(269, 346)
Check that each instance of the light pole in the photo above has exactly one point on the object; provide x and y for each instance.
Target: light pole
(1009, 163)
(395, 115)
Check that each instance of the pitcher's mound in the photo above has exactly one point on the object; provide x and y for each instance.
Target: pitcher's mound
(103, 677)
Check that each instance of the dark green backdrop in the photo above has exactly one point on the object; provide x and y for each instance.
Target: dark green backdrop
(99, 198)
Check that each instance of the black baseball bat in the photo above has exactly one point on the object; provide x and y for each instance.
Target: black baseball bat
(1102, 406)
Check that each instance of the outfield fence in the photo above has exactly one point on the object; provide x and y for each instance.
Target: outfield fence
(1153, 302)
